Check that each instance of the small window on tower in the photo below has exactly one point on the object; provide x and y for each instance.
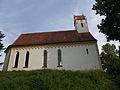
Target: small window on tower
(81, 24)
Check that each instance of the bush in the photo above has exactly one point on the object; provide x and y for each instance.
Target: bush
(113, 69)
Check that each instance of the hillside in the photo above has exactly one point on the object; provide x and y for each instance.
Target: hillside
(55, 80)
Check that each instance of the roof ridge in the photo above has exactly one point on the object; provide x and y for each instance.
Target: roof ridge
(47, 32)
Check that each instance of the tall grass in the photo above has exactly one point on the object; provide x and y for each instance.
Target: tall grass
(55, 80)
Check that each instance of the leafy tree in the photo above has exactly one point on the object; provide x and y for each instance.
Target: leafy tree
(109, 53)
(111, 61)
(1, 36)
(110, 25)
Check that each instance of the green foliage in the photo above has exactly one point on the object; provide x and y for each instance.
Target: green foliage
(108, 54)
(55, 80)
(111, 61)
(1, 45)
(110, 26)
(1, 36)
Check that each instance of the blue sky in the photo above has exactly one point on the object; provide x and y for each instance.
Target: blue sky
(27, 16)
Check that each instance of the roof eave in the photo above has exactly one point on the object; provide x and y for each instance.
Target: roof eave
(45, 44)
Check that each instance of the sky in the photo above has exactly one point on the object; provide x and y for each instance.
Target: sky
(28, 16)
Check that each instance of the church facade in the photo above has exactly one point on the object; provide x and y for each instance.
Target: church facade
(69, 50)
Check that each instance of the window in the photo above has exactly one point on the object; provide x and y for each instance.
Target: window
(45, 59)
(82, 24)
(16, 60)
(59, 58)
(87, 51)
(27, 59)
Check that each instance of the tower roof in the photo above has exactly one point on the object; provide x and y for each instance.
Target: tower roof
(82, 17)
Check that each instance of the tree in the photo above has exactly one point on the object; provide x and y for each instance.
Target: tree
(1, 36)
(110, 61)
(109, 53)
(110, 25)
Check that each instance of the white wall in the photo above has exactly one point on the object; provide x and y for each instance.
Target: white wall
(74, 57)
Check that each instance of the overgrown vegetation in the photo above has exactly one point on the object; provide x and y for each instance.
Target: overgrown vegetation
(55, 80)
(111, 62)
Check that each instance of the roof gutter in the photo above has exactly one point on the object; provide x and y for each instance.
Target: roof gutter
(10, 46)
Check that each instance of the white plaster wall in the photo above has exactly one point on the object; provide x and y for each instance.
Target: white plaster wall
(73, 57)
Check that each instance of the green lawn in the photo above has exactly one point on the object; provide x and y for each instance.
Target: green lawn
(55, 80)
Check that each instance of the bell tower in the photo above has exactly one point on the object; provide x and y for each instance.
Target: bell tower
(80, 23)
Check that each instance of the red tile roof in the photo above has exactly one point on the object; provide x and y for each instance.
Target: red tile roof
(52, 38)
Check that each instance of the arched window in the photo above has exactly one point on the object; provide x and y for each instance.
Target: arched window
(59, 58)
(45, 59)
(16, 60)
(82, 24)
(27, 59)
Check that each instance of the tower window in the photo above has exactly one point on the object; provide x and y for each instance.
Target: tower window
(16, 60)
(27, 59)
(81, 24)
(45, 59)
(87, 51)
(59, 58)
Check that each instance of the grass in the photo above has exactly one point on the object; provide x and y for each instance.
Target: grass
(55, 80)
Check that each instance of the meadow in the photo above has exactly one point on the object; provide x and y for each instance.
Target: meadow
(56, 80)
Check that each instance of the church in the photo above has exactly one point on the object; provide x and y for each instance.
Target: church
(63, 50)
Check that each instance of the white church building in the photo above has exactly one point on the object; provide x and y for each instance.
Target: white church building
(69, 50)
